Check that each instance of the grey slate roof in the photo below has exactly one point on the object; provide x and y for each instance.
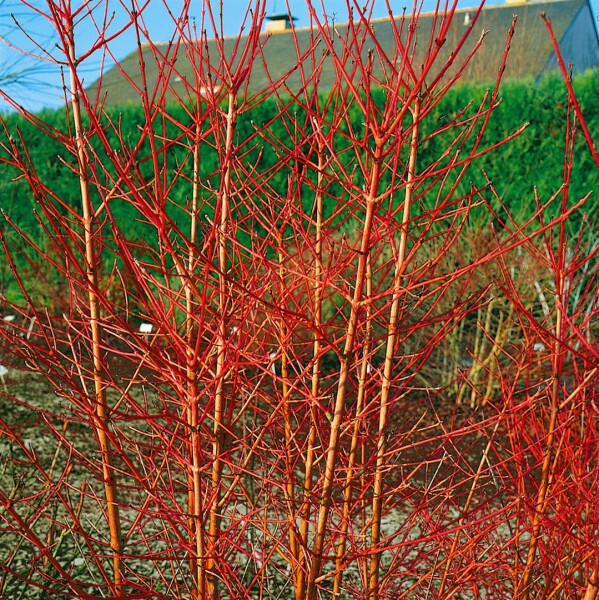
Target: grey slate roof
(531, 52)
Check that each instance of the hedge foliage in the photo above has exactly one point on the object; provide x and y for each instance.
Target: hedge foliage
(532, 161)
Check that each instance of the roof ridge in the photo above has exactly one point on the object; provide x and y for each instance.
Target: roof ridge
(461, 10)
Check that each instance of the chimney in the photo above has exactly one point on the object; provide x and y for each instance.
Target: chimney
(279, 23)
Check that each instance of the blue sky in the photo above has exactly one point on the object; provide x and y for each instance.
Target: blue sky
(42, 86)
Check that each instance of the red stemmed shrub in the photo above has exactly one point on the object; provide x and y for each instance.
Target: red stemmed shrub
(346, 383)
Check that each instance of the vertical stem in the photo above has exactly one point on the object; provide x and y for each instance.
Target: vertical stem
(501, 335)
(315, 383)
(219, 430)
(540, 505)
(352, 326)
(195, 489)
(286, 393)
(92, 266)
(593, 584)
(524, 588)
(355, 439)
(377, 501)
(479, 358)
(456, 346)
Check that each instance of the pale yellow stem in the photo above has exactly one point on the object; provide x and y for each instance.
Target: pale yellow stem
(92, 261)
(377, 501)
